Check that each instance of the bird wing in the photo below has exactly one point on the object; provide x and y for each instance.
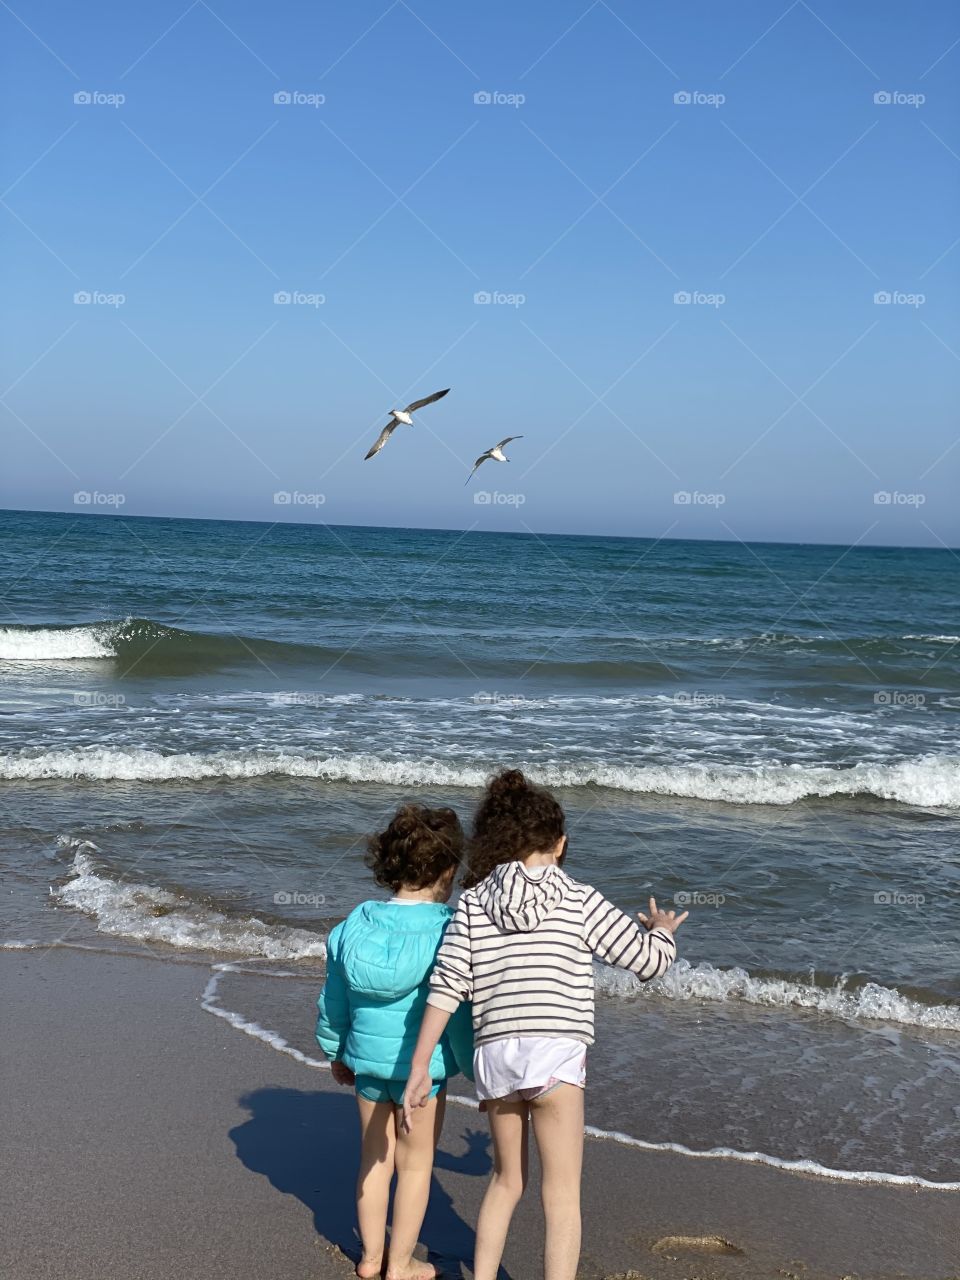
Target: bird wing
(381, 439)
(483, 457)
(506, 441)
(418, 404)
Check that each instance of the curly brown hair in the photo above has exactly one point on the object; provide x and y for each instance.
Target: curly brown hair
(417, 847)
(514, 818)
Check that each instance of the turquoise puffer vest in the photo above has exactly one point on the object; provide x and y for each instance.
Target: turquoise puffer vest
(378, 963)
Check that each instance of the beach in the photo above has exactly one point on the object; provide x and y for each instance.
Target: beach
(146, 1138)
(195, 744)
(194, 748)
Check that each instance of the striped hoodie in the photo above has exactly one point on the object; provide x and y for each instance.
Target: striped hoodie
(521, 946)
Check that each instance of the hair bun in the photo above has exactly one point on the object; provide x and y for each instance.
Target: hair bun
(511, 780)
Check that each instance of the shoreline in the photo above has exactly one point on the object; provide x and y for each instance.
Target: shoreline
(150, 1138)
(210, 1003)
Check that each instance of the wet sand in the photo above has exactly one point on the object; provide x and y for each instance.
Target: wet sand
(146, 1139)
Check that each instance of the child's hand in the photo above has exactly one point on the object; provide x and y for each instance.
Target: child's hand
(658, 919)
(415, 1095)
(342, 1073)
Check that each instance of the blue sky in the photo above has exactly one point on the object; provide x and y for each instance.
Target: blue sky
(782, 198)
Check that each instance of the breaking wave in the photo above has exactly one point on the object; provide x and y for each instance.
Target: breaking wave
(926, 781)
(151, 915)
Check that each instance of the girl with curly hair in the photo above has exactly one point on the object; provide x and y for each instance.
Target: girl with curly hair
(378, 963)
(521, 948)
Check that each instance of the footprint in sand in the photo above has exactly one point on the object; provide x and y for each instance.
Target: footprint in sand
(695, 1244)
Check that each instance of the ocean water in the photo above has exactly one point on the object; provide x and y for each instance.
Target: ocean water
(200, 722)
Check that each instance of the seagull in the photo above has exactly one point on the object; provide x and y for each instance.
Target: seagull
(496, 453)
(401, 415)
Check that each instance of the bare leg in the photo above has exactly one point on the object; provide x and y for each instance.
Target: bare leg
(378, 1137)
(508, 1126)
(558, 1128)
(414, 1157)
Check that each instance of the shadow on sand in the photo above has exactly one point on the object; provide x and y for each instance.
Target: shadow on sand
(306, 1144)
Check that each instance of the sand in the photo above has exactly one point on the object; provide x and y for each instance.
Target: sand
(144, 1138)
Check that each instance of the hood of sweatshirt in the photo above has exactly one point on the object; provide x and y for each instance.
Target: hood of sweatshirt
(517, 901)
(387, 951)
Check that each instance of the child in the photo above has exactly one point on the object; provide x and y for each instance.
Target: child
(378, 963)
(520, 947)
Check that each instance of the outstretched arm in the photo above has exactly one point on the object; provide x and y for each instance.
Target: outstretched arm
(646, 949)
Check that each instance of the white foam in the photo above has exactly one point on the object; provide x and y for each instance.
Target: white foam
(25, 644)
(928, 781)
(210, 1002)
(760, 1157)
(871, 1002)
(151, 915)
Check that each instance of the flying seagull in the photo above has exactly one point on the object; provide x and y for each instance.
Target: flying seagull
(496, 453)
(401, 415)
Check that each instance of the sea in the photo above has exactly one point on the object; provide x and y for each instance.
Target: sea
(202, 721)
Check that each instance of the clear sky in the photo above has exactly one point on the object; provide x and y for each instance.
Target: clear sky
(781, 197)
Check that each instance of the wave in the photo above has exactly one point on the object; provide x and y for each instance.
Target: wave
(148, 914)
(151, 647)
(151, 915)
(870, 1002)
(156, 648)
(54, 644)
(926, 781)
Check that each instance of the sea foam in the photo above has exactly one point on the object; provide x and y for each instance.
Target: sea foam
(55, 644)
(152, 915)
(926, 781)
(870, 1002)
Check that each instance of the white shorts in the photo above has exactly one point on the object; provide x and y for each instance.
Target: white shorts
(526, 1067)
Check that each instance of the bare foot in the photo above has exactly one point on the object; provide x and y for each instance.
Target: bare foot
(413, 1271)
(369, 1268)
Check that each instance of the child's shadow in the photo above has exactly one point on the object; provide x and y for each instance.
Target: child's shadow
(307, 1145)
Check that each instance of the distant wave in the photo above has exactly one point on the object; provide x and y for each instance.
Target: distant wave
(151, 646)
(152, 915)
(156, 648)
(871, 1001)
(54, 644)
(927, 781)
